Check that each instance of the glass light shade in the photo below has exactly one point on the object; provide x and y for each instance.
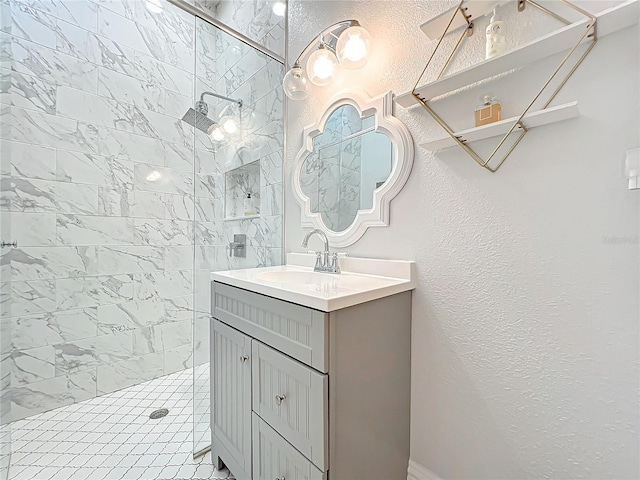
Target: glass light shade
(229, 124)
(295, 83)
(279, 9)
(154, 6)
(215, 133)
(321, 67)
(354, 47)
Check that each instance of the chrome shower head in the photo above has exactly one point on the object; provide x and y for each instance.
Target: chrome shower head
(197, 119)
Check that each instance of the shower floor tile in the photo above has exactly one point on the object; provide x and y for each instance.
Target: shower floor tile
(112, 437)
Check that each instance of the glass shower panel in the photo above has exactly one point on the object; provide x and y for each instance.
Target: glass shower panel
(5, 237)
(231, 165)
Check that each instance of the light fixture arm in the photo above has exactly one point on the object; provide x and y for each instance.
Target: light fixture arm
(313, 44)
(212, 94)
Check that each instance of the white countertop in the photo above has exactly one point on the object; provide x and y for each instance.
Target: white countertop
(361, 280)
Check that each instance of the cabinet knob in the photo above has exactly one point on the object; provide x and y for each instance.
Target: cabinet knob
(244, 358)
(280, 398)
(280, 478)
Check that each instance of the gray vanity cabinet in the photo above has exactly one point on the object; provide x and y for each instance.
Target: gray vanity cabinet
(303, 394)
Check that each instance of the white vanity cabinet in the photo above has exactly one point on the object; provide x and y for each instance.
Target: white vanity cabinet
(299, 393)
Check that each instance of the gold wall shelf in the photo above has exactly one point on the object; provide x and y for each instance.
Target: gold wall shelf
(569, 37)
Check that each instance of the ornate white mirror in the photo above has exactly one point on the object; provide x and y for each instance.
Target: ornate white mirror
(352, 163)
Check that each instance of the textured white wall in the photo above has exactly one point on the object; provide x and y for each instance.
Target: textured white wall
(525, 320)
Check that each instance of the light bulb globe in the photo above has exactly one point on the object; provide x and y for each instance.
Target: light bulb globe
(295, 83)
(353, 47)
(279, 9)
(215, 133)
(229, 124)
(321, 67)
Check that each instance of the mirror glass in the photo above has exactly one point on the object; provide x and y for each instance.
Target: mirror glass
(348, 162)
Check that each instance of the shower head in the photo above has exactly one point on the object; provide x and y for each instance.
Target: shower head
(198, 120)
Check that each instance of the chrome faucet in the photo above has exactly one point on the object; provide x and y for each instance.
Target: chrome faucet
(325, 262)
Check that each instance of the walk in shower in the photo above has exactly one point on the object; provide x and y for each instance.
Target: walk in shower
(120, 206)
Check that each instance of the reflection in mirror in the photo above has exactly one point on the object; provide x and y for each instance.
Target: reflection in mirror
(349, 161)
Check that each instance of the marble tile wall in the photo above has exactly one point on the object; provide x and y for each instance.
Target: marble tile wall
(101, 283)
(257, 20)
(108, 191)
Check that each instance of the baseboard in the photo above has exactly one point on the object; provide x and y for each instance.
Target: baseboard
(418, 472)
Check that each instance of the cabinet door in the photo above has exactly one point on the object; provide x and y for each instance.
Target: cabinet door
(275, 458)
(292, 398)
(231, 398)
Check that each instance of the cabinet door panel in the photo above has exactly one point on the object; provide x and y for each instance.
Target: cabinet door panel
(292, 398)
(274, 458)
(231, 395)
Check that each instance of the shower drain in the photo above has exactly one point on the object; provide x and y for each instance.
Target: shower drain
(162, 412)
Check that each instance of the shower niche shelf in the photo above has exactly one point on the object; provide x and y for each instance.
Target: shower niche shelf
(238, 183)
(565, 39)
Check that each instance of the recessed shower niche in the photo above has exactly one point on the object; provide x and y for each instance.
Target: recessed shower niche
(242, 192)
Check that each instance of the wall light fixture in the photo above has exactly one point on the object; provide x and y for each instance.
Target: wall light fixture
(344, 44)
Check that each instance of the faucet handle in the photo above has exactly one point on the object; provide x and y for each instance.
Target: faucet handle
(318, 260)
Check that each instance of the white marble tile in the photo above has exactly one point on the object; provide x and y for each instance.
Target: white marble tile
(31, 24)
(84, 354)
(52, 393)
(165, 75)
(44, 196)
(164, 285)
(93, 291)
(208, 209)
(178, 308)
(97, 110)
(114, 202)
(272, 202)
(77, 167)
(40, 263)
(163, 232)
(210, 233)
(33, 229)
(126, 32)
(165, 336)
(126, 89)
(78, 12)
(30, 92)
(129, 259)
(153, 178)
(121, 317)
(29, 126)
(178, 207)
(271, 169)
(164, 127)
(31, 161)
(179, 157)
(178, 257)
(275, 40)
(94, 230)
(52, 66)
(176, 104)
(177, 359)
(129, 372)
(137, 148)
(32, 365)
(53, 328)
(210, 186)
(148, 205)
(32, 297)
(126, 8)
(207, 163)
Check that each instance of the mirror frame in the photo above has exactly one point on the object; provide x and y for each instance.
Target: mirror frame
(381, 107)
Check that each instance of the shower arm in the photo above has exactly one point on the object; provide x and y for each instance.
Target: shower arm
(236, 101)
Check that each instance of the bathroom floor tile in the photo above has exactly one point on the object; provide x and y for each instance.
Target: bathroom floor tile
(112, 437)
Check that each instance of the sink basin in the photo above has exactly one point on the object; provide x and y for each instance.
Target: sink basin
(297, 278)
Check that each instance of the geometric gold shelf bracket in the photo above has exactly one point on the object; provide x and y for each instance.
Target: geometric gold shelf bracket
(586, 30)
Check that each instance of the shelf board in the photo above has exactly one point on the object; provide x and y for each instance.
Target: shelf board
(532, 119)
(609, 21)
